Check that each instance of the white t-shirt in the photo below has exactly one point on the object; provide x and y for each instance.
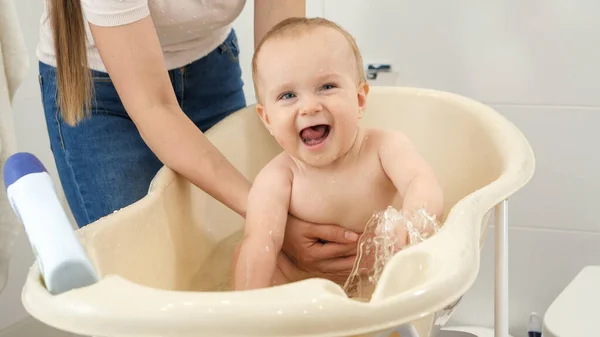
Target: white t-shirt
(187, 29)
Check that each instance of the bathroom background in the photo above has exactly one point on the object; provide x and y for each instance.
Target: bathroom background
(536, 62)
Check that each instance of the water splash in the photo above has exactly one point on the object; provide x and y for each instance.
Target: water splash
(385, 234)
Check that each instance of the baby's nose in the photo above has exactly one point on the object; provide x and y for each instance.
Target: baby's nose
(311, 107)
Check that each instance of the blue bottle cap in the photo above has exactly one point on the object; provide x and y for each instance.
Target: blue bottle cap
(19, 165)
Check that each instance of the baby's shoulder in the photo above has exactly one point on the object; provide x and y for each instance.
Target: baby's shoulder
(275, 175)
(379, 137)
(281, 162)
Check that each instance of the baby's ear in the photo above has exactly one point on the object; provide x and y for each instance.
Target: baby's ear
(363, 91)
(260, 109)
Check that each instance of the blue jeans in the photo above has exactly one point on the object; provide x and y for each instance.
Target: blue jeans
(102, 162)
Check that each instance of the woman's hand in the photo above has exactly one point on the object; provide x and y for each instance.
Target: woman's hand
(327, 250)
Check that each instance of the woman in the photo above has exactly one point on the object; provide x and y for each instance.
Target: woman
(151, 78)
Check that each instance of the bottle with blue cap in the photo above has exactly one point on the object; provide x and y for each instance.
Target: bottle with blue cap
(60, 257)
(534, 326)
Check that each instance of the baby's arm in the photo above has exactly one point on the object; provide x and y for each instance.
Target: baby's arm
(266, 216)
(411, 174)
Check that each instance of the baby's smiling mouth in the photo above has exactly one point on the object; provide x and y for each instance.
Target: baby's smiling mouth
(315, 135)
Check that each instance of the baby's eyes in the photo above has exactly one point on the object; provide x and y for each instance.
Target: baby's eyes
(328, 86)
(287, 95)
(290, 95)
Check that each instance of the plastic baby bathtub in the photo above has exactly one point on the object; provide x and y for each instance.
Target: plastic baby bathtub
(163, 259)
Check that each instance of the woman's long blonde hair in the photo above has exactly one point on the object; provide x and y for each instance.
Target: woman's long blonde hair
(73, 76)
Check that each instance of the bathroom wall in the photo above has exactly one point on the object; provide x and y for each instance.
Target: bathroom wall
(536, 62)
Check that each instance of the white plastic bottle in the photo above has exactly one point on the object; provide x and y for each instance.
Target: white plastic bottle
(61, 259)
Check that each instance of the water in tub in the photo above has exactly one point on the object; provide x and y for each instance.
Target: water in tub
(215, 273)
(376, 247)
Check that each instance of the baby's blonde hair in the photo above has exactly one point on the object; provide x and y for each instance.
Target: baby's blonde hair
(296, 25)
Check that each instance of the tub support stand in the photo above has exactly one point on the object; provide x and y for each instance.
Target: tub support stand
(501, 271)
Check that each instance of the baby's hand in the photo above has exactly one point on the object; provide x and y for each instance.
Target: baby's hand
(402, 238)
(392, 225)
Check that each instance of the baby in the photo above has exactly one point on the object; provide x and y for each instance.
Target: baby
(311, 93)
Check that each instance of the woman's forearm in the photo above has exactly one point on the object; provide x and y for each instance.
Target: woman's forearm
(268, 13)
(133, 57)
(181, 146)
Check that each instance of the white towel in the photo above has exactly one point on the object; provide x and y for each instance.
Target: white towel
(14, 64)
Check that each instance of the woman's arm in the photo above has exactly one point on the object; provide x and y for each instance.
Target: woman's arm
(134, 60)
(268, 13)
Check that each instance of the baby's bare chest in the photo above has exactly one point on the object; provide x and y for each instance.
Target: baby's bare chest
(347, 197)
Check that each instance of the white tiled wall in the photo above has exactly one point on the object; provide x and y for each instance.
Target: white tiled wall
(499, 51)
(536, 62)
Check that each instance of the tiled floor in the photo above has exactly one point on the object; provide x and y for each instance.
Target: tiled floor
(30, 327)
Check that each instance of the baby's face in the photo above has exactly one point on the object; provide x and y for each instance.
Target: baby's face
(311, 99)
